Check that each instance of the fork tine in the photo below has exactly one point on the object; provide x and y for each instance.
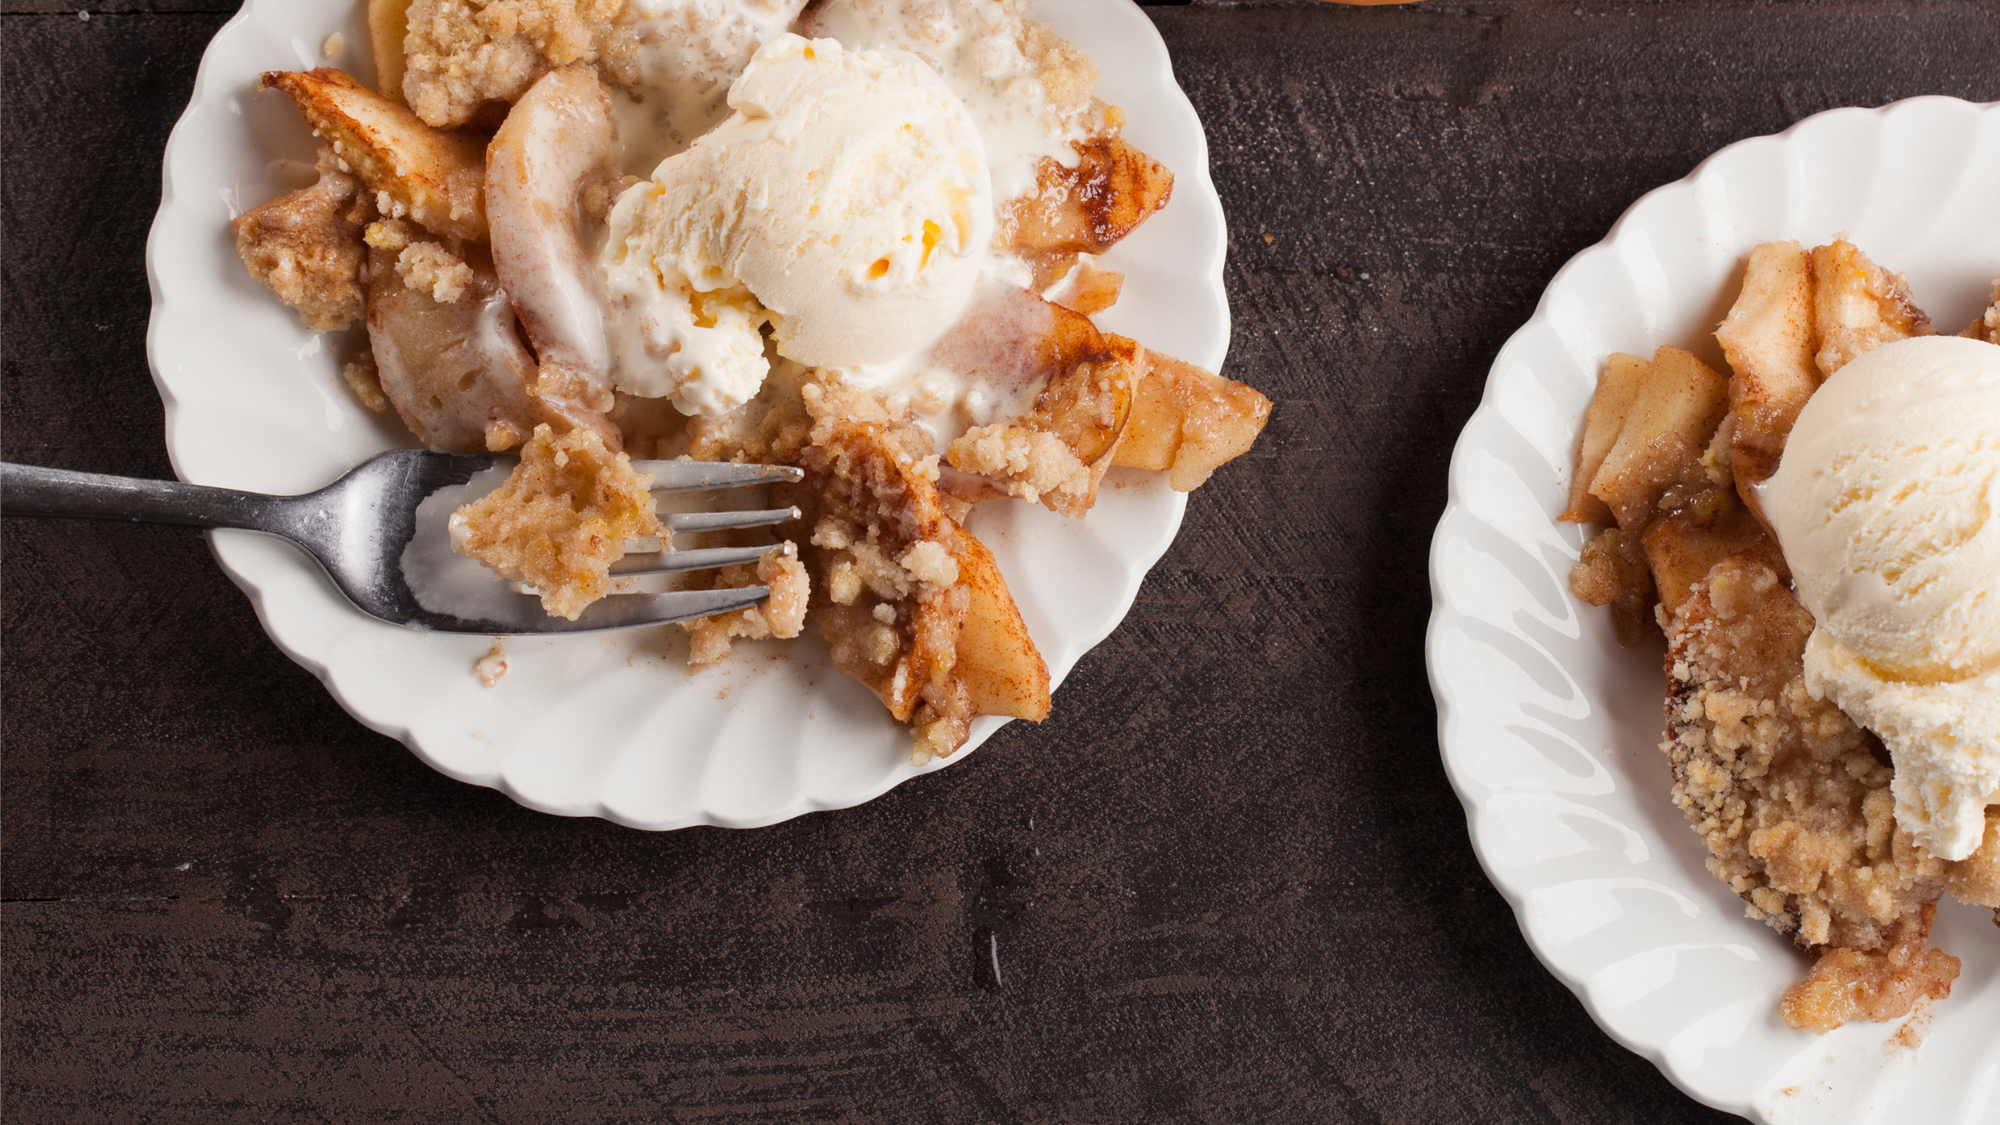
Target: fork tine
(694, 476)
(667, 562)
(721, 521)
(628, 610)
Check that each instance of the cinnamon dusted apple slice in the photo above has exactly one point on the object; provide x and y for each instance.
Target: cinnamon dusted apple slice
(998, 663)
(1649, 460)
(1086, 209)
(1768, 339)
(1616, 388)
(1187, 421)
(1055, 403)
(430, 175)
(913, 607)
(555, 142)
(1674, 410)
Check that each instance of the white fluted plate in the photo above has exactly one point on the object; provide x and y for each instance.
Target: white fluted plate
(1550, 731)
(612, 725)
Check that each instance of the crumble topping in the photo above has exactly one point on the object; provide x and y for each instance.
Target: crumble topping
(307, 247)
(1791, 798)
(912, 606)
(1026, 462)
(461, 53)
(366, 383)
(561, 518)
(783, 614)
(430, 267)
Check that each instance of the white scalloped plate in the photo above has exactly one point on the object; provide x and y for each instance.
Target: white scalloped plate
(1550, 730)
(613, 725)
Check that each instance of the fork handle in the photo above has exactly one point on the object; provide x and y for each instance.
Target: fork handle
(30, 490)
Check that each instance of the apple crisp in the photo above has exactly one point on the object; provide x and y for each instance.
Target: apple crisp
(478, 213)
(1791, 797)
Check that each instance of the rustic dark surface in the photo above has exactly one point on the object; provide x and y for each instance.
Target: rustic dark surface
(1227, 880)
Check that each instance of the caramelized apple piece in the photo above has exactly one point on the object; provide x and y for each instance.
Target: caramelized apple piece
(1188, 421)
(556, 140)
(1673, 411)
(1002, 671)
(432, 176)
(1873, 984)
(1682, 547)
(1768, 339)
(1986, 326)
(1089, 289)
(306, 247)
(1858, 306)
(1086, 209)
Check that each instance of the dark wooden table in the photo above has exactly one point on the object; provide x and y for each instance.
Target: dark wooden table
(1227, 879)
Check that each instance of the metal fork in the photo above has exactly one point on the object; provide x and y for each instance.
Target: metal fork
(380, 533)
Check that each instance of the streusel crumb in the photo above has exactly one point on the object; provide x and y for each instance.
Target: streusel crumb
(1793, 801)
(460, 53)
(561, 518)
(1026, 462)
(783, 614)
(430, 267)
(366, 383)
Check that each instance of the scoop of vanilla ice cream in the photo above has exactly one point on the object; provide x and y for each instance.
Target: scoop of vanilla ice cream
(1887, 505)
(846, 201)
(1029, 91)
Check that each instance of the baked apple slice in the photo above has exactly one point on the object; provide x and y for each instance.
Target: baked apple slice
(1187, 421)
(1058, 393)
(555, 142)
(1858, 306)
(432, 176)
(450, 357)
